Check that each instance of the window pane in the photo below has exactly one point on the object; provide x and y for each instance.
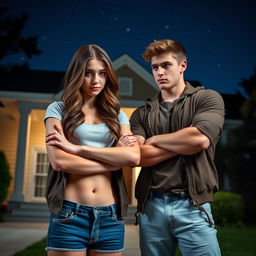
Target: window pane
(41, 175)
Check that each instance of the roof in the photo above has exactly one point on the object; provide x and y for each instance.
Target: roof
(50, 83)
(36, 81)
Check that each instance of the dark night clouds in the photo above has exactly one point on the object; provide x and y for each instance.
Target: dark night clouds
(219, 35)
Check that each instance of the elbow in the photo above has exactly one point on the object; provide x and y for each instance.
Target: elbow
(134, 159)
(204, 142)
(57, 166)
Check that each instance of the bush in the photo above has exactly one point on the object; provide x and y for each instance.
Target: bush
(227, 208)
(5, 177)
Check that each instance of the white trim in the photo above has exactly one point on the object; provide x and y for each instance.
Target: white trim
(32, 172)
(28, 96)
(136, 68)
(131, 103)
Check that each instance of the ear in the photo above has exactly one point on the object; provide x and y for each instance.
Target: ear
(183, 65)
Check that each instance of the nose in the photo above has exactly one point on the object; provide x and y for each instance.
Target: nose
(160, 71)
(95, 79)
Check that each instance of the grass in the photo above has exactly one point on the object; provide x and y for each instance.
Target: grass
(237, 241)
(233, 242)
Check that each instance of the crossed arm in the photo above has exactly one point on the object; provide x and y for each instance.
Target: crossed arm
(65, 156)
(187, 141)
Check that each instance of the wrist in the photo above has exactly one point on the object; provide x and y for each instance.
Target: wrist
(82, 150)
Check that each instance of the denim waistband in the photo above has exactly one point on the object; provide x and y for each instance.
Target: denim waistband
(82, 208)
(180, 194)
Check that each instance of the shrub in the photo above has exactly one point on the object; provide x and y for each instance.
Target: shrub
(5, 177)
(227, 208)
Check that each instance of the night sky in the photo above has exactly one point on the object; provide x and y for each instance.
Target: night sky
(219, 35)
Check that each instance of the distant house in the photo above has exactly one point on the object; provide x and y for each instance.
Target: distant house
(24, 97)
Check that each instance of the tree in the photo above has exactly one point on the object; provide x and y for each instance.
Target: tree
(5, 177)
(240, 152)
(12, 41)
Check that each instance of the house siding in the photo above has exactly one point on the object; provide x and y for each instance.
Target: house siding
(36, 139)
(8, 144)
(140, 86)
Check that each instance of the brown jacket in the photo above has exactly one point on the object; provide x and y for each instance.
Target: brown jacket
(200, 108)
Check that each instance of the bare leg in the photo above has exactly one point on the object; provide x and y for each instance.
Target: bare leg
(94, 253)
(65, 253)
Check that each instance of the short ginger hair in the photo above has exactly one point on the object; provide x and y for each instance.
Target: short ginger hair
(158, 47)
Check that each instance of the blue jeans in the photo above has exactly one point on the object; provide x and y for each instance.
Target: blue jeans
(80, 227)
(169, 221)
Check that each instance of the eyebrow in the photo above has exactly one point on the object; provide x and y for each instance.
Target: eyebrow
(162, 63)
(92, 70)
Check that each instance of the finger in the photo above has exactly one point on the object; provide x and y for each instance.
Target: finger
(50, 133)
(52, 137)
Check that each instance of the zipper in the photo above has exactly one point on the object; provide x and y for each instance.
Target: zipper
(149, 122)
(152, 134)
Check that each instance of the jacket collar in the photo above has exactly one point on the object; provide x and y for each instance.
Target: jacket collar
(189, 90)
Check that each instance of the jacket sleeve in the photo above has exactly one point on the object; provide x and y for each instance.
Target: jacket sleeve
(136, 122)
(209, 117)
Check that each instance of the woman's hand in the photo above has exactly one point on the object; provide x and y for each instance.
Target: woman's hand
(126, 140)
(58, 139)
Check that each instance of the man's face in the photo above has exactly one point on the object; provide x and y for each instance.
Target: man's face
(166, 70)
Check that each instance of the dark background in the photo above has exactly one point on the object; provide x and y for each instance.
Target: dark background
(219, 35)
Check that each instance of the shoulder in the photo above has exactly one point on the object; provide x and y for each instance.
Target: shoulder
(209, 95)
(139, 112)
(122, 117)
(56, 110)
(58, 105)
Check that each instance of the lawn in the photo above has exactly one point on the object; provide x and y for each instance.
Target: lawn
(233, 242)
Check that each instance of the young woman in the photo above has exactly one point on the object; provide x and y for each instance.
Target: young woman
(88, 140)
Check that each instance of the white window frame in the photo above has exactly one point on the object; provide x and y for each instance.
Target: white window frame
(32, 173)
(129, 82)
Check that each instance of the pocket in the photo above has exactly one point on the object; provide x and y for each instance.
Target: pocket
(207, 208)
(117, 219)
(63, 216)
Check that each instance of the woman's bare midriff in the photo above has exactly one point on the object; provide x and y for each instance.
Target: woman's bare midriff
(91, 190)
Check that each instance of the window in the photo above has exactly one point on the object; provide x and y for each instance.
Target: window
(42, 164)
(38, 174)
(125, 86)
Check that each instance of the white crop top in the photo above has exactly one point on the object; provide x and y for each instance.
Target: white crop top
(95, 135)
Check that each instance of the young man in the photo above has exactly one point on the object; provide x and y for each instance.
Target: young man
(177, 131)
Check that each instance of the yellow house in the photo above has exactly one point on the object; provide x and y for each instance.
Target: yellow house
(23, 102)
(24, 97)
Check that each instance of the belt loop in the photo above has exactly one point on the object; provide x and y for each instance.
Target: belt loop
(76, 208)
(183, 195)
(113, 211)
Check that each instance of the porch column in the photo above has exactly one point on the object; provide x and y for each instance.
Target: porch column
(135, 174)
(23, 137)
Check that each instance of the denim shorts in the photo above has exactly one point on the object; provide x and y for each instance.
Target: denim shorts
(80, 227)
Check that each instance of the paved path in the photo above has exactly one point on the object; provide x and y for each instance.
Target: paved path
(16, 236)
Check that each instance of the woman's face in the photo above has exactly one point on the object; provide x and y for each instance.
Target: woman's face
(95, 77)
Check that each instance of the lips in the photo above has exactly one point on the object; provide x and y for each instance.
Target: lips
(95, 88)
(162, 81)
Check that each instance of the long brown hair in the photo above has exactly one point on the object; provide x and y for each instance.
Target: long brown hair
(107, 102)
